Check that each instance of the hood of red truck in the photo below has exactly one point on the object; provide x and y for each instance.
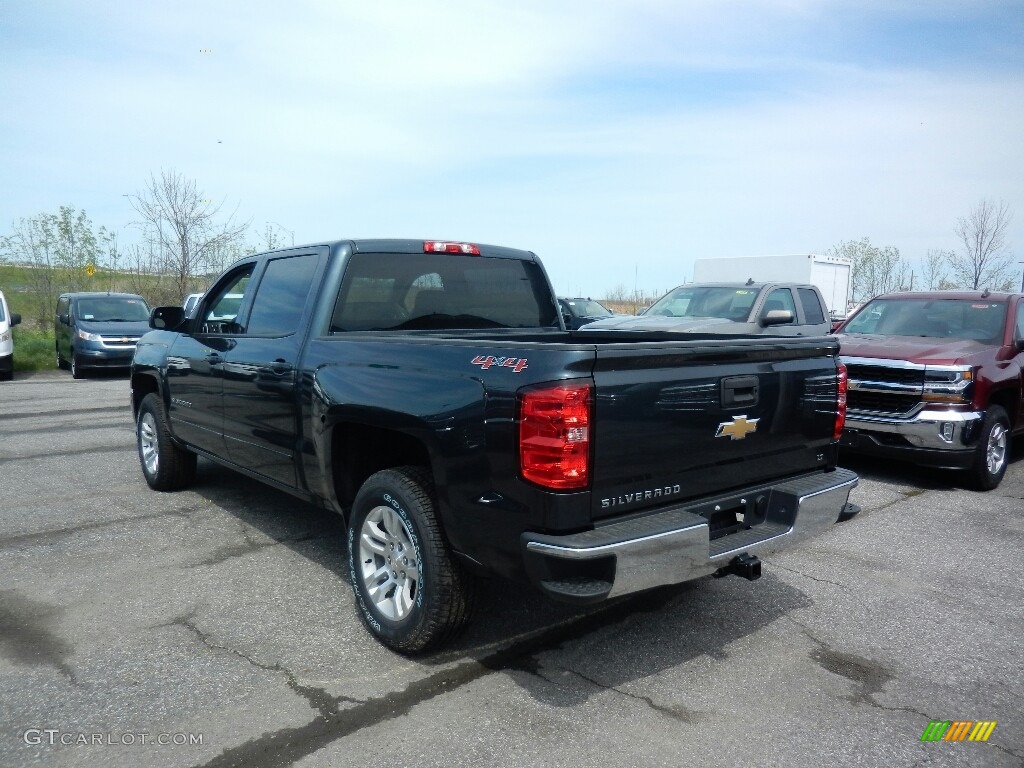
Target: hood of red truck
(914, 349)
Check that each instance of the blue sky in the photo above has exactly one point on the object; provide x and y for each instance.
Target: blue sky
(615, 139)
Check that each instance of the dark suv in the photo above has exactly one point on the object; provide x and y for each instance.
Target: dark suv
(98, 330)
(579, 312)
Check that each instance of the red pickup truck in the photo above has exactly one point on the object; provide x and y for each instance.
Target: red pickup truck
(936, 378)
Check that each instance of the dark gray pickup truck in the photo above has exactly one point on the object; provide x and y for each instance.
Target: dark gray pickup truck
(429, 393)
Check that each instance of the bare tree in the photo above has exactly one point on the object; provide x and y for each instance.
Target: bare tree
(983, 261)
(933, 269)
(185, 227)
(875, 270)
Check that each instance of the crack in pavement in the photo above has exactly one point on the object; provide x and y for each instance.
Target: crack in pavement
(76, 411)
(23, 539)
(65, 453)
(318, 698)
(808, 576)
(288, 745)
(678, 713)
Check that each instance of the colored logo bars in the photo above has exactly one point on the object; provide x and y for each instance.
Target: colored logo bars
(958, 730)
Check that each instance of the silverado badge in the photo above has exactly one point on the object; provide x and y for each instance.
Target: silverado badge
(738, 428)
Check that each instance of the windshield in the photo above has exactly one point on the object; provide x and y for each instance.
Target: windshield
(113, 309)
(933, 318)
(588, 308)
(400, 291)
(705, 301)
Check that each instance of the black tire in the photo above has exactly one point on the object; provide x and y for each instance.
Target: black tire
(993, 452)
(61, 363)
(165, 466)
(418, 608)
(76, 369)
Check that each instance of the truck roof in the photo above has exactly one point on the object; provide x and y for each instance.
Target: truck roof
(955, 294)
(409, 245)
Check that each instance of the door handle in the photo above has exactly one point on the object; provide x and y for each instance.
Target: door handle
(280, 367)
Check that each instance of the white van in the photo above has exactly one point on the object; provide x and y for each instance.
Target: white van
(6, 339)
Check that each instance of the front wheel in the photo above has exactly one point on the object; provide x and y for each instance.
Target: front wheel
(410, 592)
(165, 466)
(993, 451)
(76, 369)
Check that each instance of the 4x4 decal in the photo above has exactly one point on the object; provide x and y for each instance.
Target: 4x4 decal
(517, 364)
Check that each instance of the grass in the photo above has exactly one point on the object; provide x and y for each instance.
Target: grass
(33, 350)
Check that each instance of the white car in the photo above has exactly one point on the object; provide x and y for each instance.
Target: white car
(7, 320)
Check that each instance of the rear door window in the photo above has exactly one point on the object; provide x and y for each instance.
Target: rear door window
(281, 296)
(811, 306)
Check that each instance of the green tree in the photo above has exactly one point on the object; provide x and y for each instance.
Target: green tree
(57, 248)
(875, 270)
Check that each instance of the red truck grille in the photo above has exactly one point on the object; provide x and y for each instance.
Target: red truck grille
(885, 389)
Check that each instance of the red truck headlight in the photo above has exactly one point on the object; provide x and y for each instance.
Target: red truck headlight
(948, 384)
(554, 435)
(842, 380)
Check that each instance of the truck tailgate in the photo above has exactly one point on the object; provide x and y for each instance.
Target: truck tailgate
(704, 418)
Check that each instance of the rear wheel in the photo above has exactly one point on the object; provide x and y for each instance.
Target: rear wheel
(61, 363)
(165, 466)
(410, 592)
(993, 452)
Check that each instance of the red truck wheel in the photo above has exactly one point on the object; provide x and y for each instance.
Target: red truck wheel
(993, 452)
(410, 593)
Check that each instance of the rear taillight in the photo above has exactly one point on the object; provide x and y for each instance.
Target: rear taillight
(554, 436)
(841, 382)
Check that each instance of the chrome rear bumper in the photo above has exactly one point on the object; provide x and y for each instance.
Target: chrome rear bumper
(675, 545)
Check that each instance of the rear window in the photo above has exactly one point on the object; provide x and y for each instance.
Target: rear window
(401, 291)
(979, 320)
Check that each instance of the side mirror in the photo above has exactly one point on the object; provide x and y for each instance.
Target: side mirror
(776, 317)
(567, 319)
(15, 318)
(1019, 344)
(167, 318)
(65, 319)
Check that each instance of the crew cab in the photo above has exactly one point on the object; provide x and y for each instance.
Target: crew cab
(936, 379)
(778, 309)
(429, 393)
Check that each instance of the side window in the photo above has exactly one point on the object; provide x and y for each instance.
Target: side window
(1020, 321)
(281, 296)
(812, 307)
(780, 298)
(220, 311)
(62, 307)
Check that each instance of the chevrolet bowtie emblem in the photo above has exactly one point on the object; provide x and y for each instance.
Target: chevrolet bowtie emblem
(738, 428)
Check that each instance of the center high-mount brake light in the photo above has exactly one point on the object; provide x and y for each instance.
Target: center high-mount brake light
(841, 385)
(554, 436)
(439, 246)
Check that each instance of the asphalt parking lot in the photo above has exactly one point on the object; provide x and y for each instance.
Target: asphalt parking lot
(218, 620)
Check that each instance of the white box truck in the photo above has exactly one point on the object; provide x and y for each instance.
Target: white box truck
(830, 274)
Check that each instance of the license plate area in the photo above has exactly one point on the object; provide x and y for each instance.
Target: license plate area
(734, 515)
